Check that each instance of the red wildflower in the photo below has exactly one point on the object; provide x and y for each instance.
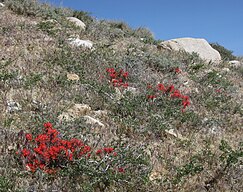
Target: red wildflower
(149, 86)
(170, 88)
(115, 154)
(176, 94)
(121, 170)
(151, 97)
(25, 152)
(70, 157)
(110, 70)
(109, 149)
(99, 151)
(48, 125)
(31, 167)
(177, 70)
(125, 85)
(28, 136)
(125, 74)
(161, 87)
(113, 75)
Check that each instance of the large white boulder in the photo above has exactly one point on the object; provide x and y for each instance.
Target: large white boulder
(78, 42)
(190, 45)
(76, 22)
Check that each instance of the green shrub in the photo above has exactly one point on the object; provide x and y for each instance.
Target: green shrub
(225, 53)
(145, 34)
(34, 8)
(83, 16)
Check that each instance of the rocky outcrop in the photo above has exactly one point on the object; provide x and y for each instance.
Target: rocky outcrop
(77, 22)
(190, 45)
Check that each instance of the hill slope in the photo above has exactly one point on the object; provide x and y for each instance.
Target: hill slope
(173, 120)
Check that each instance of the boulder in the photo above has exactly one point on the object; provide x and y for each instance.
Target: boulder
(190, 45)
(76, 22)
(78, 42)
(235, 63)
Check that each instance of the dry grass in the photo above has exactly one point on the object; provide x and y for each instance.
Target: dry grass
(35, 59)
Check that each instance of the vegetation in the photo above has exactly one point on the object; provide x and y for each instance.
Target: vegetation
(122, 116)
(225, 53)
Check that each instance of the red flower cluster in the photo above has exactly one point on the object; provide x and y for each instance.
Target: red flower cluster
(174, 93)
(107, 150)
(48, 152)
(117, 78)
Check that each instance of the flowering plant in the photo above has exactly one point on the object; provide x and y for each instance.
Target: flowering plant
(49, 152)
(168, 90)
(118, 79)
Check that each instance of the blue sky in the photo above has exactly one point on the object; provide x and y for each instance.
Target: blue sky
(218, 21)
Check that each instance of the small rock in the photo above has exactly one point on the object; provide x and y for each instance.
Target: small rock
(78, 110)
(133, 90)
(93, 121)
(72, 77)
(235, 63)
(78, 42)
(155, 175)
(174, 133)
(225, 69)
(101, 113)
(13, 106)
(2, 5)
(77, 22)
(118, 94)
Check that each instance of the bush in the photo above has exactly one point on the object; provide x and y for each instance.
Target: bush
(145, 34)
(34, 8)
(225, 53)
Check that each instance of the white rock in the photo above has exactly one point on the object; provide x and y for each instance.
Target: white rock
(78, 110)
(78, 42)
(235, 63)
(133, 90)
(225, 69)
(72, 77)
(77, 22)
(190, 45)
(2, 5)
(174, 133)
(93, 121)
(118, 94)
(13, 106)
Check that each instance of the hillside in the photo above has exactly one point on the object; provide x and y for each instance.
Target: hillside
(114, 113)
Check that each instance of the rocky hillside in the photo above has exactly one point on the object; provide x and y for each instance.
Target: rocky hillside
(94, 105)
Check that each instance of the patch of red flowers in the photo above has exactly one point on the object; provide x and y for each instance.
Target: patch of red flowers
(118, 79)
(177, 70)
(48, 152)
(174, 93)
